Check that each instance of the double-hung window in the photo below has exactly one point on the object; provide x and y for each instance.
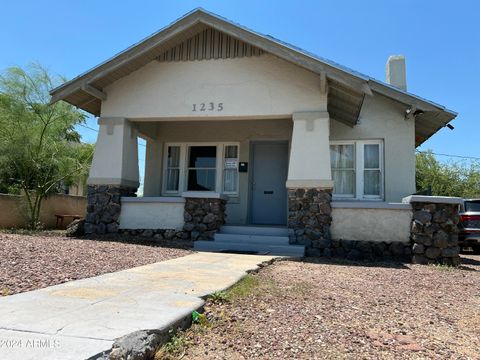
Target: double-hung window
(357, 169)
(201, 167)
(172, 172)
(230, 169)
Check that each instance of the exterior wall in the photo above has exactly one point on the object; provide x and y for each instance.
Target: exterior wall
(151, 213)
(377, 222)
(384, 119)
(253, 86)
(12, 213)
(241, 131)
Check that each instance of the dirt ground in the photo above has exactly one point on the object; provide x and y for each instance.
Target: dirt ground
(33, 262)
(341, 310)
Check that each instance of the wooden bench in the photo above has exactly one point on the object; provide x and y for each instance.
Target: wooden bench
(60, 218)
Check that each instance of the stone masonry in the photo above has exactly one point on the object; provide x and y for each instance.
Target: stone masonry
(434, 233)
(103, 208)
(309, 218)
(203, 217)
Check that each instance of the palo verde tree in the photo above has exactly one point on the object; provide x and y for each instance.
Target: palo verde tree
(39, 147)
(447, 179)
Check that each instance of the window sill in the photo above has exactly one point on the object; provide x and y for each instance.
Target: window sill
(204, 195)
(361, 204)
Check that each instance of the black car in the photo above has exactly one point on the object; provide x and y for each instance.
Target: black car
(469, 236)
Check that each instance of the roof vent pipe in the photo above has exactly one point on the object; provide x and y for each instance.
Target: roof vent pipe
(395, 71)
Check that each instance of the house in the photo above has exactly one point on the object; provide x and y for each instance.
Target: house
(243, 129)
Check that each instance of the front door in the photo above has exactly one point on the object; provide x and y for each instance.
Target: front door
(269, 193)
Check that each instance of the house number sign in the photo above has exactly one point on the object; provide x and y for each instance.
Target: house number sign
(207, 106)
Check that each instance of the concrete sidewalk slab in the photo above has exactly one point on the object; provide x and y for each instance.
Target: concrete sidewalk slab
(82, 318)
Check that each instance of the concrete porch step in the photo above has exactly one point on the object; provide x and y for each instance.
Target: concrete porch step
(254, 230)
(251, 239)
(262, 249)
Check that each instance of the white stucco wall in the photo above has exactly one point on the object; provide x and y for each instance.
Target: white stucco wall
(251, 86)
(373, 222)
(152, 213)
(384, 119)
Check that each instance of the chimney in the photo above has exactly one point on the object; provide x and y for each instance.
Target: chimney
(396, 75)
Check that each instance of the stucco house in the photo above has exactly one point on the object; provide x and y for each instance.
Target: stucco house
(250, 141)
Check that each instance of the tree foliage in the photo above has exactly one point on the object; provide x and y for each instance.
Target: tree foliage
(39, 146)
(447, 179)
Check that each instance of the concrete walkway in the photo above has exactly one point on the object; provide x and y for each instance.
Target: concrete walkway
(82, 318)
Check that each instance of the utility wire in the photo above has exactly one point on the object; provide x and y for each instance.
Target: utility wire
(449, 155)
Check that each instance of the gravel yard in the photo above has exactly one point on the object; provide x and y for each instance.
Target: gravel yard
(33, 262)
(333, 309)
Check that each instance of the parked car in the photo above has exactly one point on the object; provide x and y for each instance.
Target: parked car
(469, 236)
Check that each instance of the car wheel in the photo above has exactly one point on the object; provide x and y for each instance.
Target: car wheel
(476, 249)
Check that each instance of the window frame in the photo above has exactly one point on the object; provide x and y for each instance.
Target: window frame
(359, 149)
(235, 192)
(183, 173)
(355, 170)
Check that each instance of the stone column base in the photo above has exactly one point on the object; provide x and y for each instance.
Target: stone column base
(434, 233)
(310, 216)
(103, 208)
(203, 217)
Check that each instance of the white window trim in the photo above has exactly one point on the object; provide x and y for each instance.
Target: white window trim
(183, 181)
(359, 169)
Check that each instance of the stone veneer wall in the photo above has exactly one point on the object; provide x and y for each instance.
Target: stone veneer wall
(103, 208)
(157, 234)
(203, 217)
(434, 233)
(309, 218)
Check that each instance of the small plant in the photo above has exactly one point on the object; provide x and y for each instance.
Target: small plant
(219, 297)
(5, 292)
(175, 348)
(442, 267)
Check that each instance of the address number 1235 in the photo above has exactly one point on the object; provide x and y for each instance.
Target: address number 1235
(211, 106)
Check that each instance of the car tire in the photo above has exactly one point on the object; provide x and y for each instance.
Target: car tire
(476, 249)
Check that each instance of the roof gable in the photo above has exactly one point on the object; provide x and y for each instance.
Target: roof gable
(347, 88)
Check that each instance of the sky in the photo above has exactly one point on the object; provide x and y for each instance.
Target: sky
(440, 40)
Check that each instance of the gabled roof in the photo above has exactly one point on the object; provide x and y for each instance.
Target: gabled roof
(347, 88)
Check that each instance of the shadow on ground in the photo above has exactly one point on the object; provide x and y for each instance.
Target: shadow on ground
(138, 240)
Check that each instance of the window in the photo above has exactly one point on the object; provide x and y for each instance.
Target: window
(202, 168)
(342, 158)
(230, 169)
(173, 169)
(357, 169)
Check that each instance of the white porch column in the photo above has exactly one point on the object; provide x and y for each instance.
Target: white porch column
(152, 183)
(114, 173)
(310, 183)
(115, 161)
(309, 165)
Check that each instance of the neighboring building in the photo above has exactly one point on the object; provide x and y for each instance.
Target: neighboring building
(230, 114)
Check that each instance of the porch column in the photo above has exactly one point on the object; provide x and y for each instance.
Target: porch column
(310, 182)
(114, 173)
(152, 183)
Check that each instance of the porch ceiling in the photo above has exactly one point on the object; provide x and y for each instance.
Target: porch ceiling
(347, 88)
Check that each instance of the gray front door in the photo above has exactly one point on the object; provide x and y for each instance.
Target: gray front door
(269, 194)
